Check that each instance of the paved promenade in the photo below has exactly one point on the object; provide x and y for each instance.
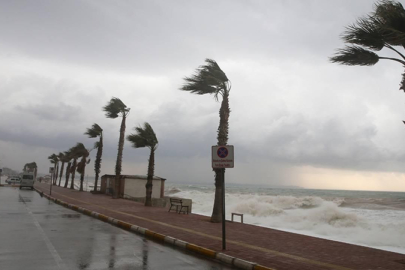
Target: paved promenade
(267, 247)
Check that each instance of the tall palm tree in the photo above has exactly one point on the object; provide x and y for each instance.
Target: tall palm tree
(81, 166)
(210, 79)
(94, 132)
(76, 153)
(383, 28)
(54, 160)
(32, 167)
(62, 159)
(116, 108)
(68, 156)
(146, 137)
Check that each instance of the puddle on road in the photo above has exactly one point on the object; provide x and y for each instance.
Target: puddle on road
(63, 216)
(71, 215)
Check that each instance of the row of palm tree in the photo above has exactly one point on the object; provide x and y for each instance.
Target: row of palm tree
(77, 156)
(70, 156)
(208, 79)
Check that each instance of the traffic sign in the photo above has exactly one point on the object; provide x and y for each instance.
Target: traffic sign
(222, 157)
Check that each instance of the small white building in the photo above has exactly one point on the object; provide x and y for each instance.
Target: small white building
(133, 186)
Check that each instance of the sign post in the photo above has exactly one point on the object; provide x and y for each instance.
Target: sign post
(222, 157)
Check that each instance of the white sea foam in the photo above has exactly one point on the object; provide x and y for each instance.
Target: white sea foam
(310, 215)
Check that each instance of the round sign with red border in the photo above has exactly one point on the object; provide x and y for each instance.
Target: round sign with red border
(222, 152)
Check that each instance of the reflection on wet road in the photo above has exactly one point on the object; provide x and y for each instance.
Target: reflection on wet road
(37, 234)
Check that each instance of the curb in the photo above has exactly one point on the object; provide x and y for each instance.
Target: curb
(222, 257)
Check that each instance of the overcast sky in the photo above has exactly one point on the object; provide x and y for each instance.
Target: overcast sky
(296, 119)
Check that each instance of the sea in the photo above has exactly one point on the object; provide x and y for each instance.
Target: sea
(367, 218)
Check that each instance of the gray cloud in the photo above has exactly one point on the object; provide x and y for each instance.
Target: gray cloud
(61, 61)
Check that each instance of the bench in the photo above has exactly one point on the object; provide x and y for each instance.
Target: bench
(178, 203)
(240, 215)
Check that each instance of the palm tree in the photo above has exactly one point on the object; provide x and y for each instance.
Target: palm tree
(62, 159)
(116, 108)
(54, 160)
(146, 137)
(32, 167)
(93, 132)
(68, 156)
(210, 79)
(81, 166)
(75, 154)
(383, 28)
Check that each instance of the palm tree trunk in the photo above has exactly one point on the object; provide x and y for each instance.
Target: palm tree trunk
(118, 164)
(54, 176)
(82, 164)
(97, 164)
(61, 173)
(149, 183)
(56, 173)
(81, 180)
(73, 170)
(67, 174)
(222, 137)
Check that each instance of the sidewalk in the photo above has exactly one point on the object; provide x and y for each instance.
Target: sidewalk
(266, 247)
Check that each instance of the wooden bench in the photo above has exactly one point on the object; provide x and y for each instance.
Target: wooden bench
(178, 203)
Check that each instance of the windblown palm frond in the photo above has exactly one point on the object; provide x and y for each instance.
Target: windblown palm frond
(355, 56)
(402, 84)
(389, 17)
(97, 145)
(31, 165)
(383, 28)
(68, 155)
(94, 131)
(144, 137)
(81, 150)
(61, 156)
(364, 33)
(208, 79)
(53, 158)
(114, 108)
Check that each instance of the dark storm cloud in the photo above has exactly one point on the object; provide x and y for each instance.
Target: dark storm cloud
(133, 35)
(58, 112)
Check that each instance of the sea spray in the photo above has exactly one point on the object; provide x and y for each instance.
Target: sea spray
(363, 218)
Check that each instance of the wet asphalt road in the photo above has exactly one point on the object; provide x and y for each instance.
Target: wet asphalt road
(38, 234)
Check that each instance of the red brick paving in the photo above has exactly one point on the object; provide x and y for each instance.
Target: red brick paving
(272, 248)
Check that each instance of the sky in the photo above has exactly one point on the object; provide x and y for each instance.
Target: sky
(296, 118)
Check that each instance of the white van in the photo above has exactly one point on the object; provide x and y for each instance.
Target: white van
(27, 180)
(13, 181)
